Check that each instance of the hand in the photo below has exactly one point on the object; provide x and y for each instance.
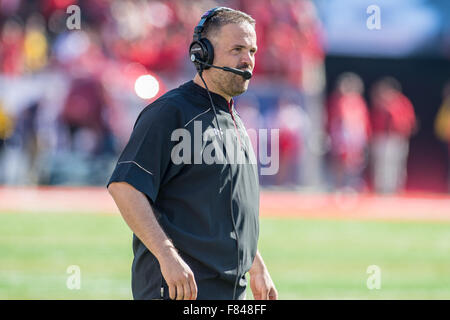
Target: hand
(262, 286)
(179, 277)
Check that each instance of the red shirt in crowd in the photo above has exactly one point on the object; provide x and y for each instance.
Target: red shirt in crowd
(393, 113)
(348, 126)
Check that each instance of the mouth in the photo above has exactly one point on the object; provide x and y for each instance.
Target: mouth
(245, 68)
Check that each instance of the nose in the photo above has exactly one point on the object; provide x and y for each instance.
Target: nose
(247, 60)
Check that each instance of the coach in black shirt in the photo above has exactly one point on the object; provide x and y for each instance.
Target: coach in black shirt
(187, 181)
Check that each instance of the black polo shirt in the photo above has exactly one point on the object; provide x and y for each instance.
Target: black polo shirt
(196, 203)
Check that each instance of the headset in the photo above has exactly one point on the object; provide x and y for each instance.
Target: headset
(201, 50)
(201, 53)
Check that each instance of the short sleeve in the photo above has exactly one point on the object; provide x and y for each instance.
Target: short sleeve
(145, 160)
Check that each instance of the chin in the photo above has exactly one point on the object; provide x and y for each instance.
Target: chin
(239, 91)
(238, 86)
(245, 87)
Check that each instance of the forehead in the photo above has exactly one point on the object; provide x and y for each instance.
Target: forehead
(241, 33)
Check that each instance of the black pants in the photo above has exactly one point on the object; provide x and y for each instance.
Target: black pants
(148, 283)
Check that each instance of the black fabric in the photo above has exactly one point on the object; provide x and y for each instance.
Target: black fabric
(192, 201)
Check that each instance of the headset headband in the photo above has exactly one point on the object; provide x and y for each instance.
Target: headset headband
(207, 15)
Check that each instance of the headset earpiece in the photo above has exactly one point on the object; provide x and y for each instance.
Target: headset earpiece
(204, 51)
(200, 47)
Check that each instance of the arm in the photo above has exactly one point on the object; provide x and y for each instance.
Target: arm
(138, 214)
(261, 283)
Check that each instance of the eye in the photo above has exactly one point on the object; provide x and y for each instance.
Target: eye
(237, 49)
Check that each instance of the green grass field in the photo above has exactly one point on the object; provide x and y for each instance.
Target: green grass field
(308, 259)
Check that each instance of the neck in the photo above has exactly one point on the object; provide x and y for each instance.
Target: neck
(211, 86)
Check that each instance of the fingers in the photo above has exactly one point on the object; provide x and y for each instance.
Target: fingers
(185, 289)
(176, 291)
(267, 294)
(273, 294)
(179, 277)
(172, 291)
(262, 294)
(180, 291)
(263, 287)
(189, 289)
(193, 287)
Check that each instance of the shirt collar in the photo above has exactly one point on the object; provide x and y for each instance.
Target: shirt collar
(218, 100)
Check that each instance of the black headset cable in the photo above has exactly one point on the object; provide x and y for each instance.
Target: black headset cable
(231, 189)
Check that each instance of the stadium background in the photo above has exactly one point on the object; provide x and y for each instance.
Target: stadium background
(69, 98)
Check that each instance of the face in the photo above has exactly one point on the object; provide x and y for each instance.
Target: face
(234, 46)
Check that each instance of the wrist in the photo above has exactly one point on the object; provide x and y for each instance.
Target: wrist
(257, 268)
(255, 271)
(166, 251)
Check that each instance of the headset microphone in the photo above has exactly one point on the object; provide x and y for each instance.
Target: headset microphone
(243, 73)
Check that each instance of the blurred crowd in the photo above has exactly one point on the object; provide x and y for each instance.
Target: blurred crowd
(368, 142)
(68, 100)
(68, 96)
(359, 137)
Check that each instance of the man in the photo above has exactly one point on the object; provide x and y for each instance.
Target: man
(393, 123)
(348, 126)
(195, 224)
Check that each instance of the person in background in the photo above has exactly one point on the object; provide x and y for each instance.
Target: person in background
(84, 114)
(293, 123)
(442, 122)
(348, 126)
(35, 44)
(393, 123)
(11, 48)
(6, 130)
(6, 127)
